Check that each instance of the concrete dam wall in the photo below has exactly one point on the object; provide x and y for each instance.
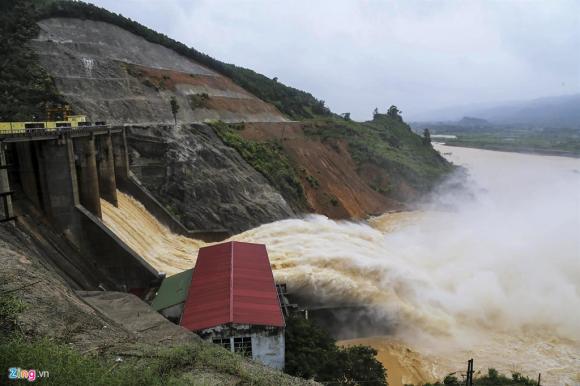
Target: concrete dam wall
(53, 185)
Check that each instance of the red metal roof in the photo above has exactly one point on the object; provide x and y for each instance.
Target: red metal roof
(232, 283)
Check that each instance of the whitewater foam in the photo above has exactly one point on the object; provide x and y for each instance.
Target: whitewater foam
(497, 276)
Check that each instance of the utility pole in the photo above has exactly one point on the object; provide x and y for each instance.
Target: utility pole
(469, 379)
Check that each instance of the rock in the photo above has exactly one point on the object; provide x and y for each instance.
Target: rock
(205, 183)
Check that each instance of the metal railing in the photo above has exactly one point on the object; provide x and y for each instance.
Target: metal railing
(44, 132)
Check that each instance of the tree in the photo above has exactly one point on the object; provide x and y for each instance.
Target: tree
(375, 112)
(394, 113)
(426, 137)
(451, 380)
(346, 116)
(360, 366)
(174, 108)
(312, 353)
(319, 108)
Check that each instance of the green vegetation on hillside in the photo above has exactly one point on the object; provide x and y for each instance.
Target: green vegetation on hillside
(10, 307)
(25, 87)
(143, 365)
(492, 378)
(269, 159)
(126, 363)
(312, 353)
(388, 143)
(295, 103)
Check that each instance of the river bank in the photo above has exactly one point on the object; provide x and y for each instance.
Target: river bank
(511, 149)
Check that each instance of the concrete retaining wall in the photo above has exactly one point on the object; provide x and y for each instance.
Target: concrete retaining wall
(133, 187)
(116, 258)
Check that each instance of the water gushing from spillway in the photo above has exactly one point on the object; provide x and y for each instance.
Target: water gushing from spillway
(495, 275)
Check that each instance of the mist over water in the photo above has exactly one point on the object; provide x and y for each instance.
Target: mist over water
(494, 273)
(506, 257)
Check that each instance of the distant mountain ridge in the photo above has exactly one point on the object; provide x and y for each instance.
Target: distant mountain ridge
(555, 112)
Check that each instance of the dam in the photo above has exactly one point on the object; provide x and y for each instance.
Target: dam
(53, 184)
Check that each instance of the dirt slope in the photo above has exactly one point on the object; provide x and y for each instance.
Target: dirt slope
(331, 182)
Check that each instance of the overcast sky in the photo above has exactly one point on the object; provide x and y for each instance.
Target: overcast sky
(357, 55)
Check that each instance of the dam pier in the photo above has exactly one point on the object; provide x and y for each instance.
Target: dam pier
(52, 183)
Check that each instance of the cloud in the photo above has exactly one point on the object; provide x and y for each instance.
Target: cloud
(357, 55)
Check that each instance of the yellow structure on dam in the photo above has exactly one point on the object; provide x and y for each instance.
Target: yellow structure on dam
(71, 122)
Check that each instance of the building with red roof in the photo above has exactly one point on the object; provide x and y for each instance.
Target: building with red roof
(233, 301)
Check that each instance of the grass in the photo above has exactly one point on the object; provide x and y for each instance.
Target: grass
(10, 307)
(68, 367)
(155, 366)
(269, 159)
(492, 378)
(142, 365)
(134, 364)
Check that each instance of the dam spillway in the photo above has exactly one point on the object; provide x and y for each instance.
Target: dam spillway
(52, 183)
(58, 178)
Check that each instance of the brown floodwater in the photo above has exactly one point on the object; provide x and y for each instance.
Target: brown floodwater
(493, 275)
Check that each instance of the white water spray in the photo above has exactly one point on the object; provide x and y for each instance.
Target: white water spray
(497, 276)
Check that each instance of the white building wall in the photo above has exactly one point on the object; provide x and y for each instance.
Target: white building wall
(269, 349)
(268, 344)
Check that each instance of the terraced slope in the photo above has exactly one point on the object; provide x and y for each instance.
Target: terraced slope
(111, 74)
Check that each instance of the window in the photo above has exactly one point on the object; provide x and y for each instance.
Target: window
(243, 346)
(34, 125)
(225, 343)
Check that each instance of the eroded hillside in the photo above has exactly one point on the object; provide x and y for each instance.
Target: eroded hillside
(114, 69)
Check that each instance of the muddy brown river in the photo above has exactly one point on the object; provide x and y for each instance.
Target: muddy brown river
(492, 275)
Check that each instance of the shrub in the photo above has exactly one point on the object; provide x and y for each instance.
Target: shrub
(10, 307)
(267, 158)
(198, 101)
(312, 353)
